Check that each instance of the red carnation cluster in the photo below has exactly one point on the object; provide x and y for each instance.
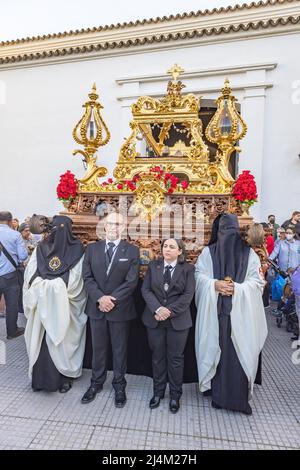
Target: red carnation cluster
(67, 187)
(170, 181)
(245, 189)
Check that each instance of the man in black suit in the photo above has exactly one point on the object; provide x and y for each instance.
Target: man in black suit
(110, 272)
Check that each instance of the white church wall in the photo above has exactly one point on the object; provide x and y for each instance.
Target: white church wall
(42, 104)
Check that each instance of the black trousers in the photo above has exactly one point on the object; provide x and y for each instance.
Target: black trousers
(9, 287)
(118, 332)
(167, 346)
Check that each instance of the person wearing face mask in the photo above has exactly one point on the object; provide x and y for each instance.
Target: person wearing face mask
(287, 252)
(272, 225)
(168, 290)
(294, 224)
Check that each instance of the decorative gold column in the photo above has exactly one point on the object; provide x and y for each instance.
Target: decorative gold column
(92, 132)
(225, 128)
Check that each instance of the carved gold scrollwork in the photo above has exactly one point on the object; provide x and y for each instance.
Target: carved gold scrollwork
(166, 132)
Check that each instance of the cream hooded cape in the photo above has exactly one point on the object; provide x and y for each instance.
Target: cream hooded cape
(51, 306)
(248, 321)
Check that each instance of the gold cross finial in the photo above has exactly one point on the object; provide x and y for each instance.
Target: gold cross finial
(175, 71)
(93, 95)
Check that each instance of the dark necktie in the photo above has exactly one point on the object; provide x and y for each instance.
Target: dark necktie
(109, 253)
(167, 277)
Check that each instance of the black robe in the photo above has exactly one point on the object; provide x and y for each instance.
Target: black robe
(45, 376)
(230, 254)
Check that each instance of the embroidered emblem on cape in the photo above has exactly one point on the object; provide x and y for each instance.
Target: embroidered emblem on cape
(54, 263)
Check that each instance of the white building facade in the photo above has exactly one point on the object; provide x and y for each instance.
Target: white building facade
(44, 82)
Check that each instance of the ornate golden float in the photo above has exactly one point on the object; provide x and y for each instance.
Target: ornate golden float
(166, 133)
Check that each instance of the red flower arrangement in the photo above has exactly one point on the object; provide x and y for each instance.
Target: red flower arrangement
(67, 187)
(170, 181)
(244, 189)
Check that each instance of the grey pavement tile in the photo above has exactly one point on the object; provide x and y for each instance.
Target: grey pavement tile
(185, 422)
(71, 410)
(17, 433)
(106, 438)
(7, 396)
(13, 376)
(135, 414)
(62, 436)
(56, 421)
(170, 441)
(34, 405)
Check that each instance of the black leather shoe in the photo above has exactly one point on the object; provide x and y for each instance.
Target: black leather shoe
(66, 386)
(174, 405)
(154, 402)
(294, 338)
(90, 394)
(19, 332)
(248, 411)
(120, 399)
(214, 405)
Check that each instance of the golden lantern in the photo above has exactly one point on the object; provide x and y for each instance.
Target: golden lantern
(92, 132)
(226, 128)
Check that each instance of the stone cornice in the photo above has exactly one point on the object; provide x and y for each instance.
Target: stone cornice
(271, 17)
(204, 90)
(241, 79)
(207, 72)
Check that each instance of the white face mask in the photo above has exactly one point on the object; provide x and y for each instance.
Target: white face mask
(289, 236)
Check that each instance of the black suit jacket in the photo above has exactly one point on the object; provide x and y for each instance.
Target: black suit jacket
(177, 299)
(120, 282)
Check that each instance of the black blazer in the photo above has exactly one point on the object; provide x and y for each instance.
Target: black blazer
(177, 299)
(121, 281)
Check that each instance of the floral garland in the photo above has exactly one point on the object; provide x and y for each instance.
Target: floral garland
(244, 189)
(67, 188)
(169, 181)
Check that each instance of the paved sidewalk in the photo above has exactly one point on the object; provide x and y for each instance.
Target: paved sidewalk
(42, 420)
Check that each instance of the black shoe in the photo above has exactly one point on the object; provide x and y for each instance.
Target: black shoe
(90, 394)
(174, 405)
(120, 399)
(207, 393)
(19, 332)
(154, 402)
(248, 411)
(295, 338)
(66, 386)
(214, 405)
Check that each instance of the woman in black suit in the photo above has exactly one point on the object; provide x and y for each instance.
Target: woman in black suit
(168, 290)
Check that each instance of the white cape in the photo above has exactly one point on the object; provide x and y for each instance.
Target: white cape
(248, 320)
(51, 306)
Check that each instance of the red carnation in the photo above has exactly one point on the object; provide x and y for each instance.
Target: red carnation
(245, 188)
(67, 186)
(184, 184)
